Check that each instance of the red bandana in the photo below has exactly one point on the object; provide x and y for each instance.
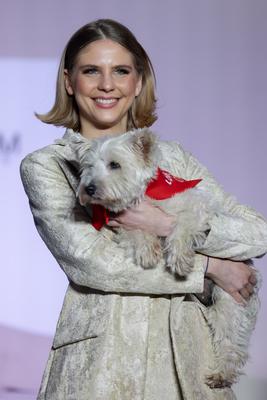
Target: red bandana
(162, 187)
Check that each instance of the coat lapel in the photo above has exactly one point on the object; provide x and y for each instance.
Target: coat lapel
(67, 158)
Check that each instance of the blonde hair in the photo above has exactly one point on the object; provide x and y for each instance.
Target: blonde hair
(65, 111)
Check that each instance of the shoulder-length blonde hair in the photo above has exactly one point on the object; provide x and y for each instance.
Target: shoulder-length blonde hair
(65, 111)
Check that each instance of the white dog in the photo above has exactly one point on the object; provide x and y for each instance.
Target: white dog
(116, 173)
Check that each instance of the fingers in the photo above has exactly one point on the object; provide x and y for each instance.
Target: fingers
(253, 278)
(245, 293)
(252, 281)
(120, 221)
(113, 224)
(116, 219)
(250, 288)
(238, 298)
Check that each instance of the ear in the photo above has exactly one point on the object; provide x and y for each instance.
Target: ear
(68, 84)
(138, 86)
(145, 144)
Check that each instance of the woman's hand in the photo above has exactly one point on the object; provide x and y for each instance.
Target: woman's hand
(236, 278)
(144, 216)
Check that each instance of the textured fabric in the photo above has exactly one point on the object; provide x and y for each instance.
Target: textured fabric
(124, 332)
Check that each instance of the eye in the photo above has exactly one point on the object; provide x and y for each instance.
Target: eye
(114, 165)
(90, 71)
(122, 71)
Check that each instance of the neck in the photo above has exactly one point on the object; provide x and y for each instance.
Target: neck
(91, 131)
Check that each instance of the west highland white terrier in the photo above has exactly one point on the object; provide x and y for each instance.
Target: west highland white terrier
(117, 173)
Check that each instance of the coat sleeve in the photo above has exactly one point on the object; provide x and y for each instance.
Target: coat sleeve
(237, 232)
(88, 257)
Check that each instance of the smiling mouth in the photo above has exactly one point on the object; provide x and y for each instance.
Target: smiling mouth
(106, 103)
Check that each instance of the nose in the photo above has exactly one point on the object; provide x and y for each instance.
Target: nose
(106, 82)
(90, 189)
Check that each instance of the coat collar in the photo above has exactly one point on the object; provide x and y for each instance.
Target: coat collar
(69, 137)
(66, 156)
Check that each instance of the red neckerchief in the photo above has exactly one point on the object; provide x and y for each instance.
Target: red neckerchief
(162, 187)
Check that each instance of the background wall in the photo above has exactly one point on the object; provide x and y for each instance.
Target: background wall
(210, 60)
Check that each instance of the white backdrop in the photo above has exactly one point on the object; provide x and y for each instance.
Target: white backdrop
(210, 61)
(30, 270)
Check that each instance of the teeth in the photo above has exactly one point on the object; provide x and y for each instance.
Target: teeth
(105, 101)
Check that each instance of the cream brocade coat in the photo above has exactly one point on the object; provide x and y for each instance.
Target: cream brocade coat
(126, 333)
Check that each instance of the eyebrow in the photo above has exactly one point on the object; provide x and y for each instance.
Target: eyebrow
(98, 66)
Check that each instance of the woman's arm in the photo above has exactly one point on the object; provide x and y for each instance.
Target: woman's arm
(236, 278)
(237, 232)
(88, 257)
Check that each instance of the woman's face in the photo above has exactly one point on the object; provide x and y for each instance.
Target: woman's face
(104, 83)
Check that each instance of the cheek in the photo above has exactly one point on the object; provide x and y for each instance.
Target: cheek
(82, 86)
(129, 86)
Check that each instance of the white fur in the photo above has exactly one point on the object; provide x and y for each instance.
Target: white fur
(138, 155)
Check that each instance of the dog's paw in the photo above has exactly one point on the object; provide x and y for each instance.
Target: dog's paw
(217, 380)
(181, 264)
(149, 256)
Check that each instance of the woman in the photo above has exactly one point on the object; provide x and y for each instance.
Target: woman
(124, 332)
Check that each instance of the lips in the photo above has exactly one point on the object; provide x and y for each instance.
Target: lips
(106, 102)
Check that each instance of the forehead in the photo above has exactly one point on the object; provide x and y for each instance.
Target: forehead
(104, 52)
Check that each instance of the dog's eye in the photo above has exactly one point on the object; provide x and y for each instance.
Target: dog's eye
(114, 165)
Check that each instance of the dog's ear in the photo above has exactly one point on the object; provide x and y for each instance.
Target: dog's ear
(145, 145)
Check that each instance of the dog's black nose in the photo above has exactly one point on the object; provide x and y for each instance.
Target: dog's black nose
(90, 189)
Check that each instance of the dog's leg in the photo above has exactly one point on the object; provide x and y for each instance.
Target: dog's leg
(179, 251)
(181, 244)
(148, 252)
(189, 233)
(143, 247)
(231, 326)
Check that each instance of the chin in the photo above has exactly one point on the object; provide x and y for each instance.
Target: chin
(108, 124)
